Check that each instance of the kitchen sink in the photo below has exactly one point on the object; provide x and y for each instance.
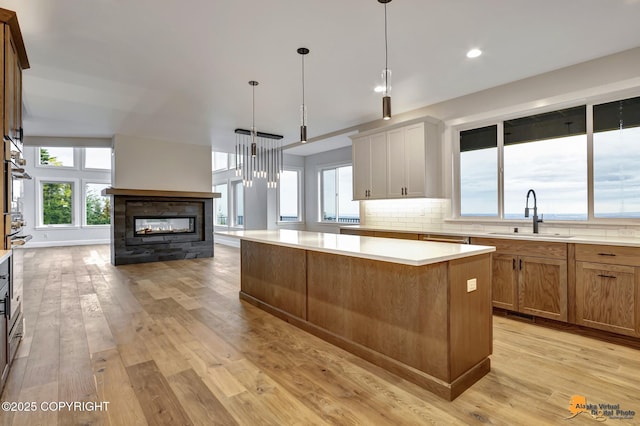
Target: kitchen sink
(517, 234)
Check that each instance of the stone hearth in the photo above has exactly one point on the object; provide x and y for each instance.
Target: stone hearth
(129, 246)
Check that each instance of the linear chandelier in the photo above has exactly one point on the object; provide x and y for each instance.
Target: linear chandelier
(258, 154)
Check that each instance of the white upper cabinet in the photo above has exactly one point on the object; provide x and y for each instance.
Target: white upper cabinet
(370, 167)
(400, 162)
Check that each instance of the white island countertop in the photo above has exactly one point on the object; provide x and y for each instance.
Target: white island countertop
(407, 252)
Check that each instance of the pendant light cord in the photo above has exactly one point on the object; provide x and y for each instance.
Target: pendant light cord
(386, 54)
(303, 115)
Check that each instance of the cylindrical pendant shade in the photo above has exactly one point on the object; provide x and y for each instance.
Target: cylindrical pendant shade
(254, 149)
(386, 107)
(303, 134)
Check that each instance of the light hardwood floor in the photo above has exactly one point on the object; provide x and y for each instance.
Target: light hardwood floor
(171, 343)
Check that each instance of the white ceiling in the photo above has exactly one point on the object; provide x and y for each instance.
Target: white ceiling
(178, 70)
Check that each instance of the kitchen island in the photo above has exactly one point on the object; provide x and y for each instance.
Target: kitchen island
(421, 310)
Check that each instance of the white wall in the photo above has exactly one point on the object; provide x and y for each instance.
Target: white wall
(141, 163)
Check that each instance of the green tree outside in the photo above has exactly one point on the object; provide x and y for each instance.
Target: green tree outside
(57, 199)
(57, 204)
(98, 207)
(47, 159)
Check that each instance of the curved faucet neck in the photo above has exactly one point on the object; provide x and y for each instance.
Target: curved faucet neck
(535, 201)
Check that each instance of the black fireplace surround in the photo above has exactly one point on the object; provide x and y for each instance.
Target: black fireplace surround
(155, 226)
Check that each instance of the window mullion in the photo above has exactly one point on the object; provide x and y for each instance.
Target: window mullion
(590, 175)
(500, 171)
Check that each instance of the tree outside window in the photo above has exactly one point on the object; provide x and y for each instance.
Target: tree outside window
(57, 205)
(98, 207)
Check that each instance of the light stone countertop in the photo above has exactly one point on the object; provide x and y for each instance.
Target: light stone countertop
(407, 252)
(4, 255)
(527, 236)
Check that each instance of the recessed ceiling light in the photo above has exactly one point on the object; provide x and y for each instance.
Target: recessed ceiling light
(474, 53)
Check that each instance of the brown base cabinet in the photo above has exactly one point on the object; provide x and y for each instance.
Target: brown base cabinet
(590, 285)
(535, 283)
(608, 288)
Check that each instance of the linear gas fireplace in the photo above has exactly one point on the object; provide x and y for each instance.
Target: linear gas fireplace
(153, 226)
(161, 225)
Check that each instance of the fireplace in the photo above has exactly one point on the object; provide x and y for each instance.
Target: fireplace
(157, 225)
(153, 226)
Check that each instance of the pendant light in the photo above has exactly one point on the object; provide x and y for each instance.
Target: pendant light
(258, 154)
(386, 73)
(303, 109)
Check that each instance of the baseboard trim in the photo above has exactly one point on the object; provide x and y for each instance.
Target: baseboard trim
(39, 244)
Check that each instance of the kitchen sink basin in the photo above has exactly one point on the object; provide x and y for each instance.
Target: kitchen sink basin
(517, 234)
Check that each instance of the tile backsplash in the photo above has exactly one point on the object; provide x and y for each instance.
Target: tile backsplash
(420, 214)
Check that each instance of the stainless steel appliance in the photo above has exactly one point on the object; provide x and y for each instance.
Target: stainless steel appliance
(14, 176)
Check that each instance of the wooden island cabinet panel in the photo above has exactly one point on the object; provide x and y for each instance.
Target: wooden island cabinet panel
(276, 275)
(421, 322)
(386, 307)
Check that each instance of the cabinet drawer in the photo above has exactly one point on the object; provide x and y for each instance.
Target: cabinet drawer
(528, 248)
(617, 255)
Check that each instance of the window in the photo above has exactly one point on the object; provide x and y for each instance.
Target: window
(616, 155)
(551, 153)
(97, 158)
(221, 205)
(97, 206)
(219, 161)
(289, 206)
(238, 203)
(56, 157)
(56, 203)
(336, 196)
(479, 172)
(547, 153)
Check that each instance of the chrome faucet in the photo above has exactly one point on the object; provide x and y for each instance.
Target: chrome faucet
(535, 211)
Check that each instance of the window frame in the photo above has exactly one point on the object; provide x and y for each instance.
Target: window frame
(75, 202)
(83, 158)
(498, 120)
(213, 189)
(76, 158)
(84, 183)
(320, 170)
(233, 205)
(300, 185)
(227, 165)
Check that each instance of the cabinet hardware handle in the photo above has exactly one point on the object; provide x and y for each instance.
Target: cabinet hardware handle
(514, 264)
(607, 276)
(606, 254)
(521, 264)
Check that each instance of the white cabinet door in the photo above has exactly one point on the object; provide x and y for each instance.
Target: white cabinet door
(361, 167)
(415, 158)
(398, 163)
(395, 163)
(378, 171)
